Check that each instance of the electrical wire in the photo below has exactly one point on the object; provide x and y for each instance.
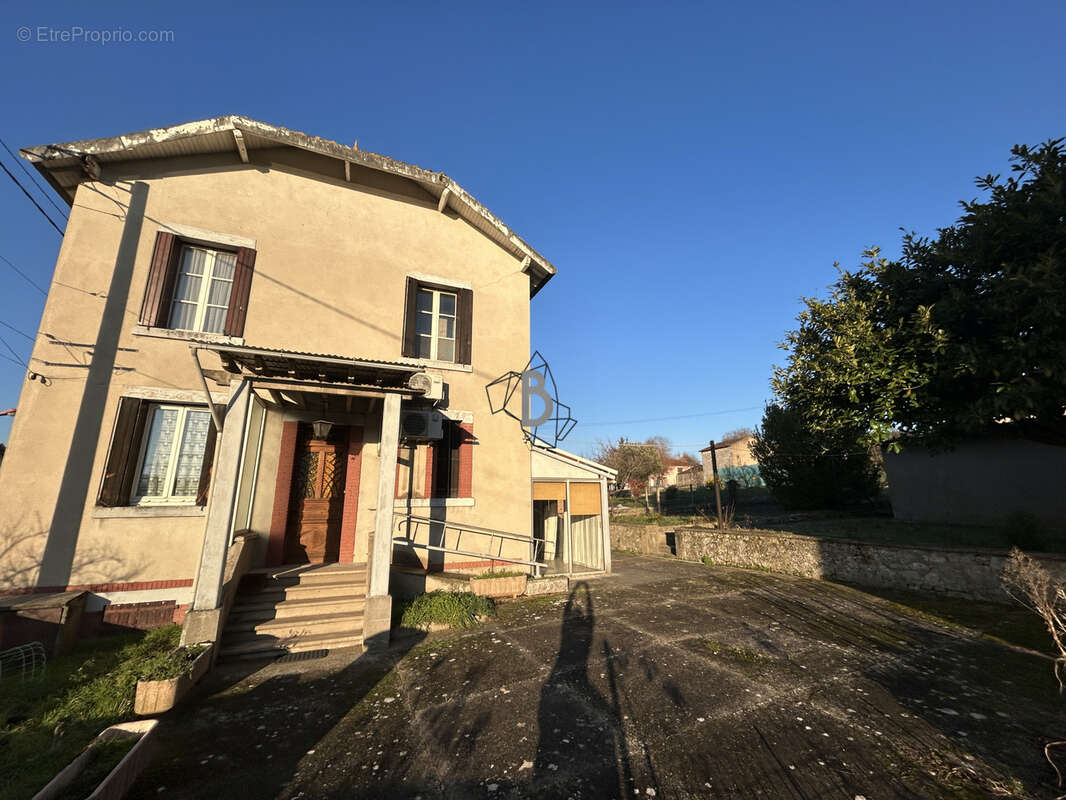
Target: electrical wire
(44, 192)
(24, 276)
(16, 330)
(11, 349)
(668, 419)
(30, 196)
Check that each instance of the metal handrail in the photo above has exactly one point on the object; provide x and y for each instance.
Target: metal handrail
(477, 530)
(472, 528)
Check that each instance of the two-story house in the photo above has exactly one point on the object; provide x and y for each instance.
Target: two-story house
(254, 334)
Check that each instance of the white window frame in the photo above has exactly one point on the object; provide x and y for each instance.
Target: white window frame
(205, 289)
(434, 330)
(168, 499)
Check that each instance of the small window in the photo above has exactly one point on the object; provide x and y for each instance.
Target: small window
(437, 322)
(202, 291)
(447, 463)
(435, 325)
(172, 455)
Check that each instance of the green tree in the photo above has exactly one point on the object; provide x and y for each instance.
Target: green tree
(965, 331)
(805, 468)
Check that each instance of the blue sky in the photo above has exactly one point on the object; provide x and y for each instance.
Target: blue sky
(692, 169)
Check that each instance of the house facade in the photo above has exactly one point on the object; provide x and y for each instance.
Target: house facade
(735, 462)
(254, 333)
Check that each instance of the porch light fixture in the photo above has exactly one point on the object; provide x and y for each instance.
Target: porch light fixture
(321, 428)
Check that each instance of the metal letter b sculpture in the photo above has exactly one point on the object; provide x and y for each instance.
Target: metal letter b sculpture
(535, 381)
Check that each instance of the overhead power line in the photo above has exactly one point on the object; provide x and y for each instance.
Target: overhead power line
(30, 196)
(17, 330)
(668, 419)
(25, 277)
(11, 349)
(37, 183)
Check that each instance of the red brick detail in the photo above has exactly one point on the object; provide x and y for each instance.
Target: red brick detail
(466, 461)
(282, 488)
(431, 459)
(134, 586)
(179, 614)
(350, 513)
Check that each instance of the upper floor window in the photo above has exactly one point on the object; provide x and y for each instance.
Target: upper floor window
(202, 294)
(437, 322)
(194, 287)
(435, 325)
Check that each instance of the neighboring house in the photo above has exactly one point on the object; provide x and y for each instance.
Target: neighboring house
(268, 347)
(735, 462)
(668, 477)
(690, 476)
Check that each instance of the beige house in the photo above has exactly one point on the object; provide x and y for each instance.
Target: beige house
(270, 348)
(735, 461)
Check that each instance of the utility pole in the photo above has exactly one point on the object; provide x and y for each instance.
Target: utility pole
(717, 488)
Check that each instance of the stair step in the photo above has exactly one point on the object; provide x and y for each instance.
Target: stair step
(278, 594)
(256, 608)
(293, 627)
(263, 646)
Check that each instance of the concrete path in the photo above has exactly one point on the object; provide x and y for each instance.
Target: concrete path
(667, 680)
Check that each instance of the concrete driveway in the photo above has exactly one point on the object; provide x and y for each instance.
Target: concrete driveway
(668, 679)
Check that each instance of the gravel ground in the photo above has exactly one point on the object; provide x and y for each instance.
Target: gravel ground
(667, 679)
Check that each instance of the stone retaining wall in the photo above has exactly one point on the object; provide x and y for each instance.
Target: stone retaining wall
(973, 574)
(646, 539)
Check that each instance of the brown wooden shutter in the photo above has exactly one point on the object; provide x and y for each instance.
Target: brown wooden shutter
(464, 324)
(162, 273)
(207, 467)
(242, 287)
(409, 310)
(121, 464)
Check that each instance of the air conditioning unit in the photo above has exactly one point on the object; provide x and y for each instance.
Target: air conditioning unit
(432, 386)
(422, 424)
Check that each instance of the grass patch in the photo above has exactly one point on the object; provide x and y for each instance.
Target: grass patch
(500, 573)
(164, 666)
(45, 723)
(455, 609)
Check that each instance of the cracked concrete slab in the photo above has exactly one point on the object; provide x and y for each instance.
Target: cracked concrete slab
(668, 679)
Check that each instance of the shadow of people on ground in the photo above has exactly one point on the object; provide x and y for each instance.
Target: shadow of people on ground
(582, 741)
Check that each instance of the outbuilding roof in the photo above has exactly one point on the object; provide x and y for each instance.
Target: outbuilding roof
(66, 165)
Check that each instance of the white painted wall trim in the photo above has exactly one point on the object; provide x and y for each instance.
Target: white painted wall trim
(454, 282)
(187, 336)
(181, 595)
(173, 395)
(434, 502)
(147, 512)
(206, 236)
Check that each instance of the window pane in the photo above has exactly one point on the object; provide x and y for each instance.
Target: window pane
(224, 263)
(445, 350)
(188, 287)
(423, 323)
(192, 260)
(191, 455)
(157, 453)
(425, 300)
(183, 316)
(446, 327)
(214, 320)
(218, 294)
(424, 345)
(447, 304)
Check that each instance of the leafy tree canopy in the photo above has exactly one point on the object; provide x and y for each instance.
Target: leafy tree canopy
(965, 331)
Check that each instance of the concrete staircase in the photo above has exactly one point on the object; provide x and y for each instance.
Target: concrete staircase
(293, 609)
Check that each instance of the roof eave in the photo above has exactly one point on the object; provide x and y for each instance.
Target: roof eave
(48, 157)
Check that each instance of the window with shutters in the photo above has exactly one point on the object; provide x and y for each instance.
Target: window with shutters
(202, 290)
(195, 287)
(437, 323)
(160, 454)
(172, 455)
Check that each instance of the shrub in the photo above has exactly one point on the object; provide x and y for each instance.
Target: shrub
(457, 609)
(670, 493)
(164, 666)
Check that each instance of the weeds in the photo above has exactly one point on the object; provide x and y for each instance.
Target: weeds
(455, 609)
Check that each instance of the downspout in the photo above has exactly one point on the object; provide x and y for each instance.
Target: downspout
(207, 391)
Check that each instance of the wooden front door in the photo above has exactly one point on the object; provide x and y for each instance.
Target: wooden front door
(313, 532)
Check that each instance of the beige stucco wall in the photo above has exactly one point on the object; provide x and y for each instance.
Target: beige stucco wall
(330, 274)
